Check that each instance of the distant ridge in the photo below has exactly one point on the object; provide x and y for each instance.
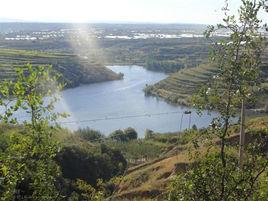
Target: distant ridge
(9, 20)
(13, 25)
(4, 20)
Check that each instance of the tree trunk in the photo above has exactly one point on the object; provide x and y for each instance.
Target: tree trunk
(242, 134)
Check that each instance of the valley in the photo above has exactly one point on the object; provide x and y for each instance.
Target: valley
(124, 127)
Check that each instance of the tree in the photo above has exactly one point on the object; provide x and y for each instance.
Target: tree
(131, 134)
(237, 58)
(118, 135)
(27, 165)
(89, 134)
(124, 136)
(203, 181)
(148, 134)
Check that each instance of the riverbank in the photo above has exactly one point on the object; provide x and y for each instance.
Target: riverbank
(179, 87)
(119, 104)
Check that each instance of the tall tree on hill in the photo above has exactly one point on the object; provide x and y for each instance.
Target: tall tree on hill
(238, 58)
(220, 175)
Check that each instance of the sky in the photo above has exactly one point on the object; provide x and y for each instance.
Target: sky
(141, 11)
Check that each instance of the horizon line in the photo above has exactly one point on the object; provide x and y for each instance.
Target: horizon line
(98, 22)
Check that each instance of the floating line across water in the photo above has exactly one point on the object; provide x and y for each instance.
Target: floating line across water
(122, 117)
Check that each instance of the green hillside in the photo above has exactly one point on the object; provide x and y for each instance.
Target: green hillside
(165, 55)
(179, 86)
(75, 70)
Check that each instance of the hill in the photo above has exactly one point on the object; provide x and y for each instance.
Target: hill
(179, 87)
(150, 181)
(75, 70)
(165, 55)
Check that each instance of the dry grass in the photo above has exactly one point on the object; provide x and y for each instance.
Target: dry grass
(150, 180)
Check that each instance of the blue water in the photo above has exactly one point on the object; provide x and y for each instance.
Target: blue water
(120, 104)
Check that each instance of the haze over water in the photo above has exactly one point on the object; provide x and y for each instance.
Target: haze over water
(113, 105)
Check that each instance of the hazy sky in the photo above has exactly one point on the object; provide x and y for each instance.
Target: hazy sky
(163, 11)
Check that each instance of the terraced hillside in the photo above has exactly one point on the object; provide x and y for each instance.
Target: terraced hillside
(164, 55)
(75, 70)
(179, 86)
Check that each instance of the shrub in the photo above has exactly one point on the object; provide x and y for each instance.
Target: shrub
(89, 134)
(80, 163)
(203, 181)
(148, 134)
(118, 135)
(124, 136)
(131, 134)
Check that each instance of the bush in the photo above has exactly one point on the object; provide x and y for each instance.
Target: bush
(194, 127)
(148, 134)
(124, 136)
(204, 181)
(80, 163)
(118, 135)
(89, 134)
(131, 134)
(138, 149)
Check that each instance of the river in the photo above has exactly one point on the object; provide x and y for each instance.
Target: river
(120, 104)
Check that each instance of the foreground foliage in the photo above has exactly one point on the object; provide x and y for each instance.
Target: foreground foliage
(221, 174)
(203, 181)
(27, 167)
(38, 159)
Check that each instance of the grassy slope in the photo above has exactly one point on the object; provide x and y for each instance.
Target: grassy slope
(179, 86)
(75, 70)
(149, 181)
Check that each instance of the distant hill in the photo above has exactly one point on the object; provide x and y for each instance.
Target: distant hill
(75, 70)
(9, 20)
(9, 25)
(19, 25)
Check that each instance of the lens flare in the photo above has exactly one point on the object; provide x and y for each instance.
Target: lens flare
(82, 39)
